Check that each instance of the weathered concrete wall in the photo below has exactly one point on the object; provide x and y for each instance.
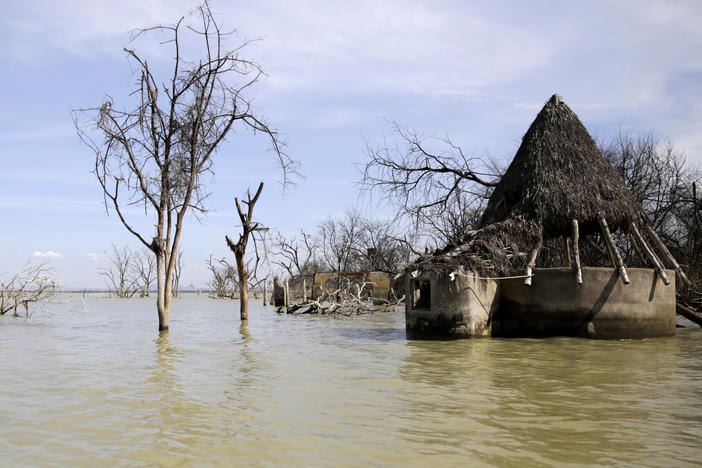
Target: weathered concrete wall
(278, 298)
(461, 308)
(380, 281)
(601, 307)
(381, 284)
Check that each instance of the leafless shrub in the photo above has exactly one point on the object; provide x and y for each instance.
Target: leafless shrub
(32, 284)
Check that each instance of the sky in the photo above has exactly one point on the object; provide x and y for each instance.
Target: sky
(336, 74)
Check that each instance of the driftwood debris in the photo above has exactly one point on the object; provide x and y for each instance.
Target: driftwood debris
(689, 313)
(342, 301)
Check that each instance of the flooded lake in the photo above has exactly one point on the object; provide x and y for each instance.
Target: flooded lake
(91, 383)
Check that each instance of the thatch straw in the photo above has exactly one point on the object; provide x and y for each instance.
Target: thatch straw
(499, 249)
(558, 175)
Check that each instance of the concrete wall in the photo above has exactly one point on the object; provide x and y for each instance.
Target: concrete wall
(554, 305)
(601, 307)
(461, 308)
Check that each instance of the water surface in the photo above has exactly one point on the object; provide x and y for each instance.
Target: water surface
(91, 382)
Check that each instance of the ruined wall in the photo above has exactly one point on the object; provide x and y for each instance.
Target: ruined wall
(296, 284)
(436, 306)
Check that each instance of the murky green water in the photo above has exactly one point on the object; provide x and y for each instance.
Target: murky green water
(97, 385)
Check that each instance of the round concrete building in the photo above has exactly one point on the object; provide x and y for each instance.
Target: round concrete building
(563, 248)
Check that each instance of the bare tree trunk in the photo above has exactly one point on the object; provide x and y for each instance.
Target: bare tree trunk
(163, 305)
(243, 287)
(247, 228)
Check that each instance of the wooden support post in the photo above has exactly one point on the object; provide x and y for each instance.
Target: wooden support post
(532, 263)
(635, 245)
(657, 265)
(566, 251)
(304, 290)
(613, 250)
(265, 290)
(576, 253)
(664, 250)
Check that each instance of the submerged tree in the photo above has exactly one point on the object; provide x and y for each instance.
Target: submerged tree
(249, 229)
(120, 276)
(222, 277)
(31, 285)
(156, 153)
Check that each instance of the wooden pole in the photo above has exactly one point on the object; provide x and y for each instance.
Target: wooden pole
(576, 253)
(657, 265)
(304, 290)
(566, 251)
(613, 250)
(265, 290)
(636, 247)
(532, 263)
(664, 250)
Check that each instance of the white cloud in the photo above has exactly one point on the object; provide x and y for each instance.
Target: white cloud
(92, 256)
(48, 253)
(84, 28)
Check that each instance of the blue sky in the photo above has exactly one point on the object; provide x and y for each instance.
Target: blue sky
(477, 71)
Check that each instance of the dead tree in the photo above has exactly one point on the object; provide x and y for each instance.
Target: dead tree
(338, 239)
(222, 278)
(156, 154)
(248, 229)
(143, 266)
(119, 276)
(424, 182)
(31, 285)
(296, 255)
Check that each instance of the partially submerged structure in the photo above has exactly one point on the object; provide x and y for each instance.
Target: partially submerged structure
(521, 272)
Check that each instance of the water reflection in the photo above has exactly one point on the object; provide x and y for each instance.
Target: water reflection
(553, 401)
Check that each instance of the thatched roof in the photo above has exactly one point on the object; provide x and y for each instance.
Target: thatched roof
(558, 175)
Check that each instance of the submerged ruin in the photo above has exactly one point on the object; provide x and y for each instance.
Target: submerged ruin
(521, 274)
